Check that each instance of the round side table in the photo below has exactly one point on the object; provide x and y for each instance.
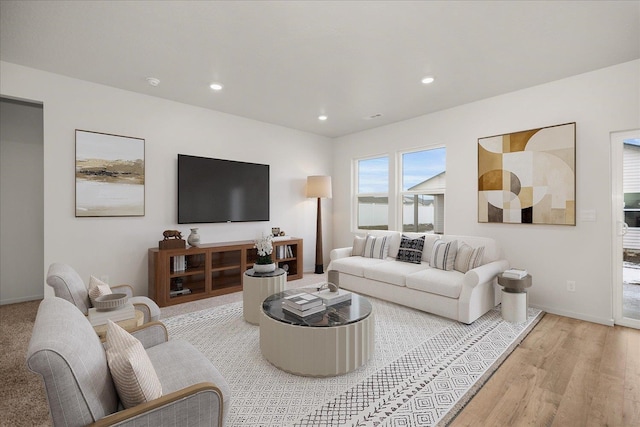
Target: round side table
(256, 287)
(514, 298)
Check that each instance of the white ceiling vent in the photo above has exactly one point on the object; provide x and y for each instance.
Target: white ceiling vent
(373, 116)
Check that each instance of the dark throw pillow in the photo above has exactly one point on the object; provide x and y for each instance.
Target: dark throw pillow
(410, 249)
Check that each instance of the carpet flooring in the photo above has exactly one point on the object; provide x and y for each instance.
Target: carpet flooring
(424, 369)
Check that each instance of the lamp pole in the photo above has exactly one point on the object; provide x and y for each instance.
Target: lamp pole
(319, 261)
(319, 187)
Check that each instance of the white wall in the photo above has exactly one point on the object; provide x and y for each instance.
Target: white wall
(117, 247)
(599, 102)
(21, 202)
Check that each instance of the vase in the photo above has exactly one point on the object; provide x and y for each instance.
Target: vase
(264, 268)
(194, 238)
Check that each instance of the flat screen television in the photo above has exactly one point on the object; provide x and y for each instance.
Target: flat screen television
(217, 190)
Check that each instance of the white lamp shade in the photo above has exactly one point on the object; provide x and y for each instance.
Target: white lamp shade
(319, 186)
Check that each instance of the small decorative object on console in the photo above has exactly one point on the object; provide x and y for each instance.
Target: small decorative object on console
(172, 240)
(194, 238)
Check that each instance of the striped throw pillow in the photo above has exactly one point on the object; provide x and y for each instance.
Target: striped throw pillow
(131, 369)
(410, 250)
(97, 288)
(443, 254)
(376, 247)
(468, 258)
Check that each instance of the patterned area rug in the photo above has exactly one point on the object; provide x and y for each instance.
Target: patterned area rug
(424, 369)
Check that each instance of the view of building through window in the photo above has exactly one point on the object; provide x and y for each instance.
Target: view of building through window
(423, 185)
(420, 193)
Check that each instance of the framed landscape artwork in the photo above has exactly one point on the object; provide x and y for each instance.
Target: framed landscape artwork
(109, 175)
(528, 177)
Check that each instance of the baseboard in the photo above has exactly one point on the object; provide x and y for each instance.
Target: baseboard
(592, 319)
(21, 299)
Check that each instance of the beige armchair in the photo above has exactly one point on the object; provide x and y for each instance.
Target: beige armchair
(69, 356)
(68, 285)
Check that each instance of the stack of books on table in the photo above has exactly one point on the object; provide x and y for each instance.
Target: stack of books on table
(332, 298)
(125, 312)
(302, 304)
(515, 273)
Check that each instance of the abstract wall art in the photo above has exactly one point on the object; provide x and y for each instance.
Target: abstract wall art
(528, 177)
(109, 175)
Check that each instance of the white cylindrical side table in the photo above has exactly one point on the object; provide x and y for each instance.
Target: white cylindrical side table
(514, 298)
(256, 287)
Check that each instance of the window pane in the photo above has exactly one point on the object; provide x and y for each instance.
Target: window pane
(632, 218)
(632, 200)
(423, 213)
(419, 167)
(373, 175)
(373, 213)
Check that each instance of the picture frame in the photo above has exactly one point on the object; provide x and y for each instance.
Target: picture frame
(528, 177)
(109, 175)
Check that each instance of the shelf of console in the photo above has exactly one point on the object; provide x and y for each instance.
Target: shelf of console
(211, 269)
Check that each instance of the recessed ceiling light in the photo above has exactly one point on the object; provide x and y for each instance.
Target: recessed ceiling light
(216, 86)
(322, 117)
(153, 81)
(427, 80)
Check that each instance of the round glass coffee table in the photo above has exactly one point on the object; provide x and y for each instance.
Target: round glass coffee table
(332, 342)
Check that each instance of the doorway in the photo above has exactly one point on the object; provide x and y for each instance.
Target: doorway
(21, 201)
(625, 168)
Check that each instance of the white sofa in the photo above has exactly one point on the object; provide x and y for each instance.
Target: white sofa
(452, 294)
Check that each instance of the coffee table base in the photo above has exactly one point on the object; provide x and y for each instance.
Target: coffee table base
(317, 351)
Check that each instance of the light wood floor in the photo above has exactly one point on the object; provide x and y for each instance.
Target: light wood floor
(565, 373)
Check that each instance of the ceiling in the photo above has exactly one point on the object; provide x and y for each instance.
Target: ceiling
(288, 62)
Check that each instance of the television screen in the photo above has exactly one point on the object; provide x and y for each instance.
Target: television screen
(217, 190)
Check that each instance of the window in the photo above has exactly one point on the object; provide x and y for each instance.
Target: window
(422, 193)
(372, 195)
(632, 209)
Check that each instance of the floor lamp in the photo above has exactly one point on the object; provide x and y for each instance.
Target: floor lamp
(319, 187)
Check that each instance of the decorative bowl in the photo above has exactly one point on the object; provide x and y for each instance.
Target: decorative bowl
(110, 302)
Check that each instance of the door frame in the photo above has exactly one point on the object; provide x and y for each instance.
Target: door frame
(617, 203)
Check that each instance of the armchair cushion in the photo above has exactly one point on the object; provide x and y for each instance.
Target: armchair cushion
(97, 288)
(132, 371)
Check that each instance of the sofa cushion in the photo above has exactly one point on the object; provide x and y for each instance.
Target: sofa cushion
(468, 258)
(392, 272)
(410, 249)
(358, 245)
(354, 265)
(131, 369)
(443, 254)
(436, 281)
(376, 247)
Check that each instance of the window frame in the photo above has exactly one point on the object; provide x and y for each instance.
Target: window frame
(355, 205)
(401, 193)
